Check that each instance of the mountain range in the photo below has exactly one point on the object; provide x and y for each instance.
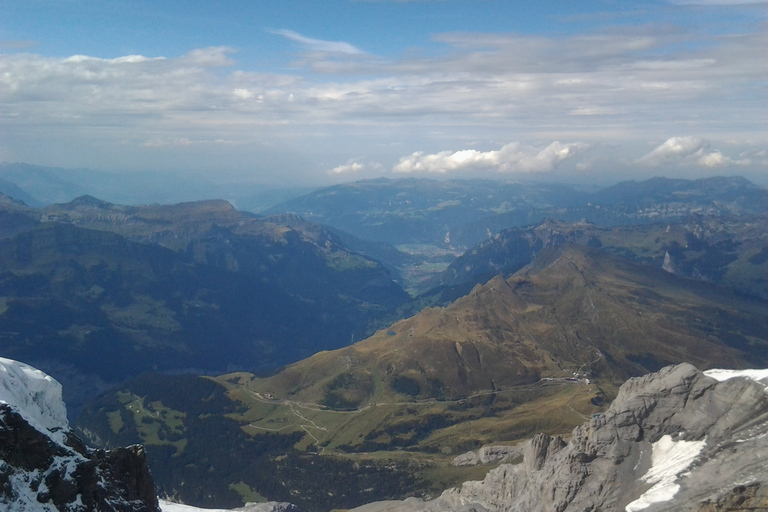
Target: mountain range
(460, 213)
(730, 250)
(560, 296)
(537, 352)
(94, 293)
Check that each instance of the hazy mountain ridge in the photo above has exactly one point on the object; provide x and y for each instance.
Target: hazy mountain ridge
(304, 258)
(38, 186)
(461, 213)
(419, 211)
(535, 352)
(725, 250)
(196, 285)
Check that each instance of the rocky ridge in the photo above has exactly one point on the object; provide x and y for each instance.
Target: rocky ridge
(678, 439)
(44, 467)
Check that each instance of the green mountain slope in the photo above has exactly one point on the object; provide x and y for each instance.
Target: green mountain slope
(539, 351)
(80, 302)
(304, 259)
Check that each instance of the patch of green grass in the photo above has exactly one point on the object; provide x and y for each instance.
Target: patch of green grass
(144, 312)
(155, 423)
(115, 421)
(339, 260)
(249, 495)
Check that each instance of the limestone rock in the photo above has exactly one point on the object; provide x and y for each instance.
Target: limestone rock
(486, 455)
(675, 440)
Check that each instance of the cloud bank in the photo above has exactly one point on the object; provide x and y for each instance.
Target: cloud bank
(608, 88)
(688, 151)
(514, 157)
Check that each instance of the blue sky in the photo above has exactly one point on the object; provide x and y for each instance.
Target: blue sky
(320, 92)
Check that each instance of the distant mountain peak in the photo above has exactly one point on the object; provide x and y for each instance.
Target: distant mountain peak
(88, 201)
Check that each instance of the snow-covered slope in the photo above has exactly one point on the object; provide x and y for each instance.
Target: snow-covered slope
(44, 467)
(168, 506)
(35, 396)
(760, 376)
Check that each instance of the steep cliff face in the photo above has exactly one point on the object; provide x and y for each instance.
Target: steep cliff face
(677, 440)
(45, 468)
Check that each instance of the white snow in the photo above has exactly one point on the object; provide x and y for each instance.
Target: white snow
(668, 459)
(167, 506)
(757, 375)
(24, 499)
(34, 395)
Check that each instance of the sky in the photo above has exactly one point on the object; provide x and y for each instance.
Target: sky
(313, 93)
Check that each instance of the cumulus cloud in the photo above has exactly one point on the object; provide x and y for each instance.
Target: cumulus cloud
(514, 157)
(688, 151)
(673, 149)
(319, 45)
(355, 166)
(347, 168)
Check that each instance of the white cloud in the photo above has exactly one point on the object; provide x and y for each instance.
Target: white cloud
(625, 87)
(672, 150)
(347, 168)
(355, 166)
(688, 151)
(514, 157)
(319, 45)
(714, 159)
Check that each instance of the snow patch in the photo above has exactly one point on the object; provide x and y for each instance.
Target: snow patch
(34, 395)
(668, 459)
(167, 506)
(757, 375)
(24, 498)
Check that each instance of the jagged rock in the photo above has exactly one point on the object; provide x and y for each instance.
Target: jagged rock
(673, 440)
(487, 454)
(46, 468)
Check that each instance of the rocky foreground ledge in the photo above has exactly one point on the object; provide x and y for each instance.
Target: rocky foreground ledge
(45, 468)
(676, 440)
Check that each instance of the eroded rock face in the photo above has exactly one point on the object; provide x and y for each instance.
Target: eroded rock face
(673, 440)
(487, 454)
(37, 473)
(44, 467)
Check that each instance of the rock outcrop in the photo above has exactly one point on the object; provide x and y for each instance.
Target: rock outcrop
(678, 439)
(46, 468)
(486, 455)
(272, 506)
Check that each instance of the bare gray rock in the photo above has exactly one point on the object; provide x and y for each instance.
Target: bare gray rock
(272, 506)
(486, 455)
(673, 440)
